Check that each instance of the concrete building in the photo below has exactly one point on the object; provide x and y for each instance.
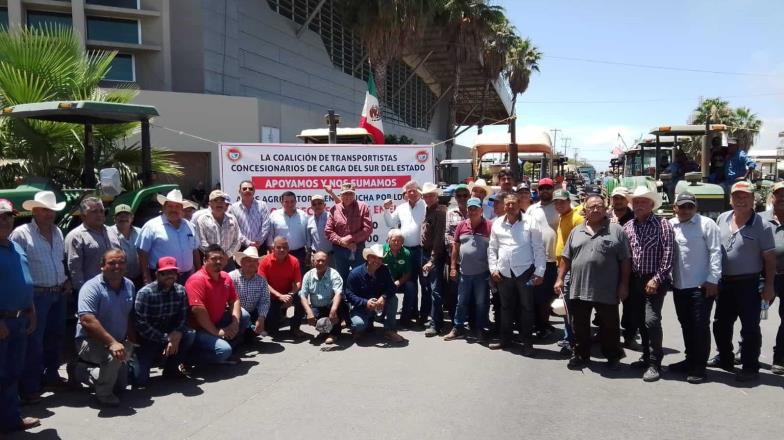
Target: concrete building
(260, 71)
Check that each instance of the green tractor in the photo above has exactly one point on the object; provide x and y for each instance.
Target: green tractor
(89, 113)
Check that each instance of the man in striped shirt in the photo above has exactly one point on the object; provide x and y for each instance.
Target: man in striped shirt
(219, 227)
(651, 239)
(252, 215)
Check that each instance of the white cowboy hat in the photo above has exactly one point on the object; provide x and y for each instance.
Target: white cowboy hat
(174, 196)
(376, 249)
(249, 252)
(482, 184)
(43, 199)
(644, 191)
(559, 307)
(430, 187)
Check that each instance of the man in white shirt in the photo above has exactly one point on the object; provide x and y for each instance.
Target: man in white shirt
(292, 224)
(547, 218)
(409, 217)
(516, 256)
(696, 271)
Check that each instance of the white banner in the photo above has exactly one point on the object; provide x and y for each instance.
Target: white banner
(378, 171)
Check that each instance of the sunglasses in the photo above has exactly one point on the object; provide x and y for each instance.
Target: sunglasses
(247, 189)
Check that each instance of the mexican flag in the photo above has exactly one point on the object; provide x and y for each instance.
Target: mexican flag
(371, 113)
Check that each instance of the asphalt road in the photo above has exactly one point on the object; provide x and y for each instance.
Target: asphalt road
(429, 389)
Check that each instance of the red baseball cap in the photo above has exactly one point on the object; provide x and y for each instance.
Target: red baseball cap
(546, 182)
(167, 263)
(6, 207)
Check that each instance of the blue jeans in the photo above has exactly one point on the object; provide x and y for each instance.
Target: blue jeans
(362, 318)
(432, 303)
(343, 262)
(45, 344)
(12, 359)
(409, 310)
(473, 289)
(149, 352)
(210, 349)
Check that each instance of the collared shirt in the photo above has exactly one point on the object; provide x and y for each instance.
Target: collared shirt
(349, 221)
(226, 233)
(84, 249)
(158, 313)
(473, 246)
(432, 232)
(453, 217)
(321, 291)
(133, 271)
(697, 256)
(622, 220)
(110, 307)
(652, 247)
(738, 165)
(45, 258)
(565, 225)
(253, 293)
(362, 286)
(409, 220)
(317, 238)
(400, 264)
(213, 295)
(17, 291)
(159, 238)
(742, 249)
(778, 234)
(514, 247)
(293, 227)
(253, 221)
(281, 275)
(546, 219)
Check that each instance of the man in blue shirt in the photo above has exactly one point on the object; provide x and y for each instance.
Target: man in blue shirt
(371, 292)
(17, 320)
(738, 165)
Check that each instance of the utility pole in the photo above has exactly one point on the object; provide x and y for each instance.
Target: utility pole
(544, 172)
(566, 142)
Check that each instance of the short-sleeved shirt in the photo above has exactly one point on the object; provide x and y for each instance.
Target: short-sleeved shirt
(321, 291)
(17, 290)
(778, 235)
(213, 295)
(280, 274)
(741, 251)
(128, 245)
(596, 262)
(398, 265)
(159, 238)
(84, 249)
(110, 307)
(565, 226)
(473, 246)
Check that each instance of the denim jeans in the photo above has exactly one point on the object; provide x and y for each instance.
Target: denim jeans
(409, 310)
(362, 318)
(739, 299)
(45, 344)
(432, 302)
(473, 289)
(277, 314)
(645, 312)
(343, 262)
(694, 309)
(149, 352)
(12, 362)
(210, 349)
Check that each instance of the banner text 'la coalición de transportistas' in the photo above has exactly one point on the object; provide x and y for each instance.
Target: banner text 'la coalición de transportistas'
(378, 172)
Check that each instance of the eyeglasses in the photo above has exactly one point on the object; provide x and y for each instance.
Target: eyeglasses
(594, 208)
(247, 189)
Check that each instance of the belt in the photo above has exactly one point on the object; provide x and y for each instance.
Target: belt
(52, 289)
(743, 277)
(10, 314)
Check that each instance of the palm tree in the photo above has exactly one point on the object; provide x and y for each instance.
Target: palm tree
(717, 109)
(49, 64)
(523, 59)
(495, 52)
(745, 127)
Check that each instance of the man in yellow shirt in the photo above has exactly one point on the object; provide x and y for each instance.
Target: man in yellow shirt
(569, 218)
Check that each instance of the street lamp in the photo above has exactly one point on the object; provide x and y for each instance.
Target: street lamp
(332, 120)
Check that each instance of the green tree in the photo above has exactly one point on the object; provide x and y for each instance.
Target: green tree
(49, 64)
(745, 127)
(523, 59)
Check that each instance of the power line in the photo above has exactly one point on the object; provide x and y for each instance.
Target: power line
(651, 66)
(637, 101)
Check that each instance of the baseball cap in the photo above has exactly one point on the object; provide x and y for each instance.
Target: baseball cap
(742, 186)
(218, 194)
(593, 190)
(348, 187)
(523, 187)
(685, 198)
(122, 208)
(776, 186)
(316, 197)
(474, 201)
(6, 206)
(167, 263)
(546, 182)
(620, 191)
(561, 194)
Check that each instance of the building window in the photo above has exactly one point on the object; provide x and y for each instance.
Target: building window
(42, 19)
(122, 68)
(113, 29)
(131, 4)
(4, 17)
(270, 135)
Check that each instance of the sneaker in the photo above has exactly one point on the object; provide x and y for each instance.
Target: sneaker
(777, 367)
(746, 376)
(695, 378)
(563, 343)
(430, 332)
(576, 363)
(679, 367)
(613, 364)
(454, 334)
(651, 374)
(716, 362)
(108, 400)
(497, 345)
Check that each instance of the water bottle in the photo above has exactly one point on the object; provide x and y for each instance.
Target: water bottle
(764, 309)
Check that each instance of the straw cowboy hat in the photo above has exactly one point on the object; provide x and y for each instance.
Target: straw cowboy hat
(249, 252)
(481, 184)
(645, 192)
(430, 187)
(376, 249)
(174, 196)
(43, 199)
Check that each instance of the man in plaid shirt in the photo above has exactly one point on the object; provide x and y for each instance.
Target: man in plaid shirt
(651, 239)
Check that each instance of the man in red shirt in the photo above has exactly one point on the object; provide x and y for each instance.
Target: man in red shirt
(215, 311)
(284, 279)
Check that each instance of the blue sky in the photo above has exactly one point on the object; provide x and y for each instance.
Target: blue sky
(720, 35)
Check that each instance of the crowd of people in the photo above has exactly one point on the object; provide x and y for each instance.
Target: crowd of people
(188, 288)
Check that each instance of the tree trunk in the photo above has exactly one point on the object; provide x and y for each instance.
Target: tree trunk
(514, 167)
(380, 72)
(451, 123)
